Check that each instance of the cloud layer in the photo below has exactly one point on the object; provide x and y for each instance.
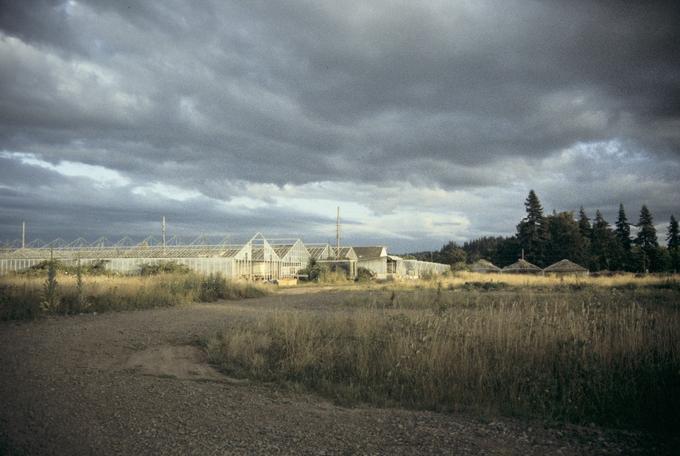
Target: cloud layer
(423, 121)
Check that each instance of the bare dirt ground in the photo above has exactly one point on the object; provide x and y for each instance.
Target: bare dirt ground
(135, 383)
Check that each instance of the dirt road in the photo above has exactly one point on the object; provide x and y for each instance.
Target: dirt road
(133, 383)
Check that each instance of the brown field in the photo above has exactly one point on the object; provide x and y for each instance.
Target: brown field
(493, 356)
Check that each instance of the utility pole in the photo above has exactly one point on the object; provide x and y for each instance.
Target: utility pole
(163, 231)
(23, 235)
(337, 235)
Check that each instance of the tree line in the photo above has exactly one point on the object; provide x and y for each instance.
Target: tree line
(593, 243)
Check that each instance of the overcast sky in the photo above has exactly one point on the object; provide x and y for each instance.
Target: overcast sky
(424, 121)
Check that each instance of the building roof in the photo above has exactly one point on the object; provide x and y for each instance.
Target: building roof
(565, 266)
(346, 253)
(364, 253)
(484, 266)
(522, 265)
(319, 252)
(258, 254)
(282, 249)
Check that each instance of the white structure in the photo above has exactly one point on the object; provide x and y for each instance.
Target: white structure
(292, 257)
(384, 266)
(256, 259)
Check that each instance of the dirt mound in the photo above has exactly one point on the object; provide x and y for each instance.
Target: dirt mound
(183, 362)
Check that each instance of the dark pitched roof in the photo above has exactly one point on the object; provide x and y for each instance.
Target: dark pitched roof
(565, 266)
(484, 266)
(522, 266)
(364, 253)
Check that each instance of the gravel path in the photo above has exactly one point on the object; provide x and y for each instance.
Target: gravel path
(130, 383)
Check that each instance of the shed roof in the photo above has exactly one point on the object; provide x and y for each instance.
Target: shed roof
(364, 253)
(483, 265)
(565, 266)
(522, 265)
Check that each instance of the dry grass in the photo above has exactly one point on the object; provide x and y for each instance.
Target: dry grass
(22, 296)
(523, 280)
(466, 280)
(611, 357)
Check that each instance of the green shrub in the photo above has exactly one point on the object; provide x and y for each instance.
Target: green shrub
(20, 302)
(50, 299)
(364, 274)
(215, 287)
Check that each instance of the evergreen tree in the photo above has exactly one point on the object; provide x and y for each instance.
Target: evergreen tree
(624, 242)
(532, 231)
(601, 244)
(564, 240)
(585, 230)
(451, 254)
(673, 239)
(646, 240)
(584, 223)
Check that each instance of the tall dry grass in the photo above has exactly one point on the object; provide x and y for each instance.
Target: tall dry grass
(458, 279)
(587, 356)
(22, 296)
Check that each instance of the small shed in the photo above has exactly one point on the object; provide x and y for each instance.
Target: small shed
(522, 266)
(566, 267)
(373, 258)
(484, 267)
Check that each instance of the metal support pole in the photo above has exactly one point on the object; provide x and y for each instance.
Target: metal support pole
(163, 231)
(337, 235)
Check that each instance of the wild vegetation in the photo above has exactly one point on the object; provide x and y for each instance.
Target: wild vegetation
(610, 356)
(29, 296)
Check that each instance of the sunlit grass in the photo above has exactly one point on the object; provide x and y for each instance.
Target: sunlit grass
(587, 356)
(21, 296)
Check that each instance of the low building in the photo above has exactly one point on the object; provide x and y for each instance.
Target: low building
(566, 267)
(484, 267)
(522, 266)
(373, 258)
(385, 266)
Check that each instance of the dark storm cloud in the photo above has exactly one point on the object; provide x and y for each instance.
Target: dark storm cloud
(52, 203)
(219, 95)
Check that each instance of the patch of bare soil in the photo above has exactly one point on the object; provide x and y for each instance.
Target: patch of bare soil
(134, 383)
(184, 362)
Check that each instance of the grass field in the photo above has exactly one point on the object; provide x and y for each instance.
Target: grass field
(586, 353)
(627, 280)
(23, 296)
(582, 350)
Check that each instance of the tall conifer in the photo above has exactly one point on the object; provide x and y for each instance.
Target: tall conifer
(646, 240)
(584, 223)
(673, 239)
(623, 240)
(601, 242)
(532, 231)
